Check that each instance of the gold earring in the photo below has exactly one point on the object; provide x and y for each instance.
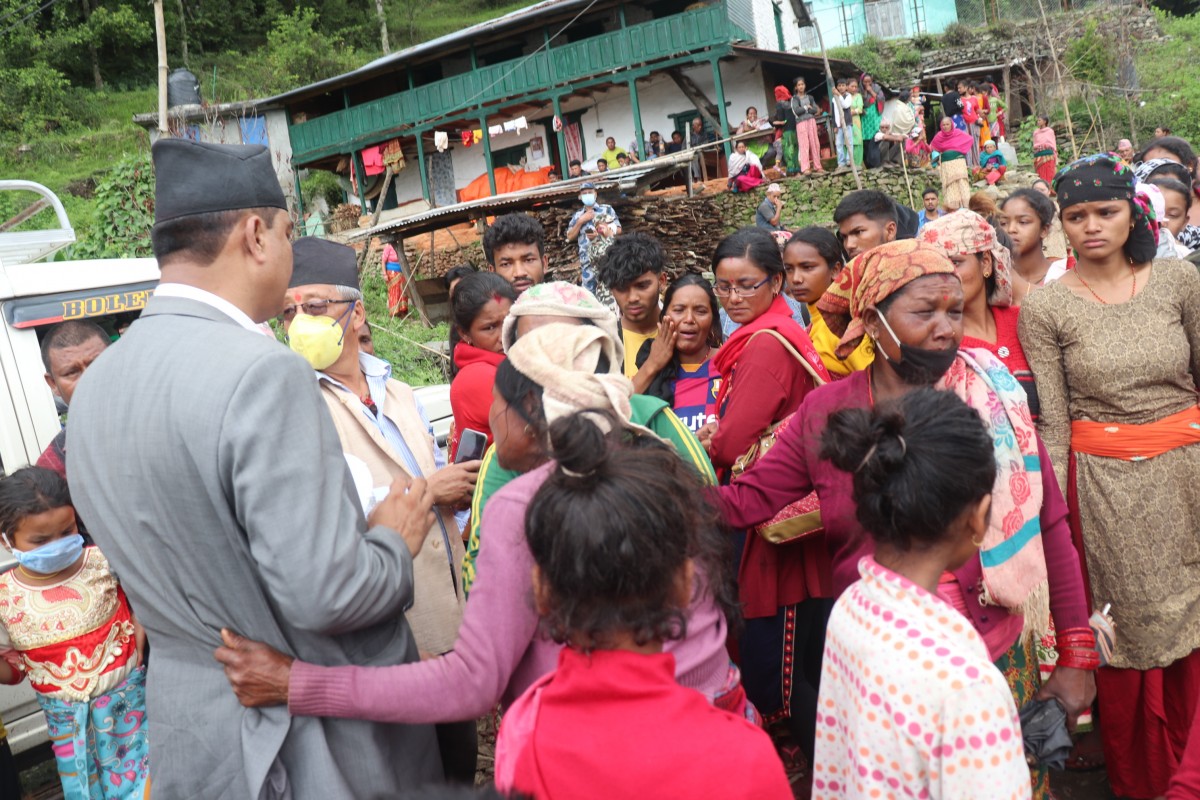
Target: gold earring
(978, 542)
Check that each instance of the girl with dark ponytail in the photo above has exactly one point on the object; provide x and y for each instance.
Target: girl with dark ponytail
(618, 536)
(923, 470)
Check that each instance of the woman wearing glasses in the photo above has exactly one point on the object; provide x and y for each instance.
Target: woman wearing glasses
(768, 366)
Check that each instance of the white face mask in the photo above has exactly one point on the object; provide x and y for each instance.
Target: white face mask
(588, 199)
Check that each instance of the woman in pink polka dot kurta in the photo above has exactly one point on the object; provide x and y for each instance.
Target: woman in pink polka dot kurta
(911, 704)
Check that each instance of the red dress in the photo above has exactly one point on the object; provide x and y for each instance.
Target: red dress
(471, 391)
(1007, 348)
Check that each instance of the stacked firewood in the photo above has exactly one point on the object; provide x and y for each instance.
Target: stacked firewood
(689, 229)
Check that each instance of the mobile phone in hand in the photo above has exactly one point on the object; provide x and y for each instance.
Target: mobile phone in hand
(471, 446)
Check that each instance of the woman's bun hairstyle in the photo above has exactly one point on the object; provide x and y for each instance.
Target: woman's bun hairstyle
(611, 529)
(917, 464)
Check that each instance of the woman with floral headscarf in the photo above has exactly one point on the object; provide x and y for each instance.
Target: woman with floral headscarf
(908, 298)
(1115, 347)
(990, 301)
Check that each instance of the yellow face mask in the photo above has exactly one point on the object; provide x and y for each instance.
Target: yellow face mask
(318, 339)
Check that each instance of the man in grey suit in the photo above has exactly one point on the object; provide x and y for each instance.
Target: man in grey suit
(207, 468)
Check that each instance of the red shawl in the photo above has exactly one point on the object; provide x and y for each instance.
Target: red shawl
(777, 318)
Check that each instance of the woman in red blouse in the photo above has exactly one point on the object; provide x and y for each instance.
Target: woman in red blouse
(990, 306)
(768, 366)
(481, 302)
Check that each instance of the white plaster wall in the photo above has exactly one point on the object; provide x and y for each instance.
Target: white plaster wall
(227, 130)
(407, 182)
(764, 26)
(659, 96)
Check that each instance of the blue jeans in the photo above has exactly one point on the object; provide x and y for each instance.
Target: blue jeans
(845, 145)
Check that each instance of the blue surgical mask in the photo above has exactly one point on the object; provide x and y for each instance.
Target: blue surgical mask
(51, 557)
(588, 199)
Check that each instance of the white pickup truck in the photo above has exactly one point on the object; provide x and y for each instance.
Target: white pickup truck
(34, 295)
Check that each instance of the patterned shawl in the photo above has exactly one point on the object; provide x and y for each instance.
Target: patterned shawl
(1014, 563)
(964, 232)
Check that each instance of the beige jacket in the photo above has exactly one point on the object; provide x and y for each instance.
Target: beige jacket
(437, 599)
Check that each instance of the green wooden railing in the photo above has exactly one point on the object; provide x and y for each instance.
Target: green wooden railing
(555, 66)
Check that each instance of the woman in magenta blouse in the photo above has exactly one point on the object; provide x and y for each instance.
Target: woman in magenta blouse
(906, 296)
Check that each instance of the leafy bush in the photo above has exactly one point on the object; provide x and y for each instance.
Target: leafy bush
(321, 183)
(123, 212)
(34, 98)
(1002, 31)
(925, 42)
(1090, 57)
(958, 35)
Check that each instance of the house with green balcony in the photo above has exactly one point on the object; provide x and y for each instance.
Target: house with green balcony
(553, 81)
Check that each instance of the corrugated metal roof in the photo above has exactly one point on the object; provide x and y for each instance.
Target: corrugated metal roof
(393, 61)
(445, 216)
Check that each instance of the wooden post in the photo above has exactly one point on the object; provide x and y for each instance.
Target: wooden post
(564, 159)
(636, 107)
(410, 285)
(1058, 78)
(360, 178)
(1008, 106)
(423, 168)
(487, 155)
(160, 33)
(830, 84)
(721, 113)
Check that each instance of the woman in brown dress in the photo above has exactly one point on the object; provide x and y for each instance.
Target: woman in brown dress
(1115, 347)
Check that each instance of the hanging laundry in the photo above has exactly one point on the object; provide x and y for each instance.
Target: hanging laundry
(441, 141)
(557, 124)
(393, 156)
(495, 130)
(521, 124)
(510, 126)
(467, 138)
(372, 161)
(477, 135)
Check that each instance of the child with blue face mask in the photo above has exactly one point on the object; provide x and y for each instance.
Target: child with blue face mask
(66, 625)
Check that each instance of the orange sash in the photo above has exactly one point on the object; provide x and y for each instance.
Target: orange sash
(1136, 442)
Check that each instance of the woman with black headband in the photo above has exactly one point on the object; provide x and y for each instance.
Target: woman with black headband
(1115, 347)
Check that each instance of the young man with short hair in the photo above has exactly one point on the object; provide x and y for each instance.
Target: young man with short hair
(839, 105)
(514, 249)
(581, 229)
(865, 220)
(633, 269)
(601, 165)
(612, 152)
(929, 198)
(576, 168)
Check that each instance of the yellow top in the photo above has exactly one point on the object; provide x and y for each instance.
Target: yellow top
(826, 343)
(633, 342)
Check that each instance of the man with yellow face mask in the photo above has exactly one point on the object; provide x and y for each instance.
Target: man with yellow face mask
(381, 423)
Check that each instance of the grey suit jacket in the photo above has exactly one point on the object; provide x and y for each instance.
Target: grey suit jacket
(206, 467)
